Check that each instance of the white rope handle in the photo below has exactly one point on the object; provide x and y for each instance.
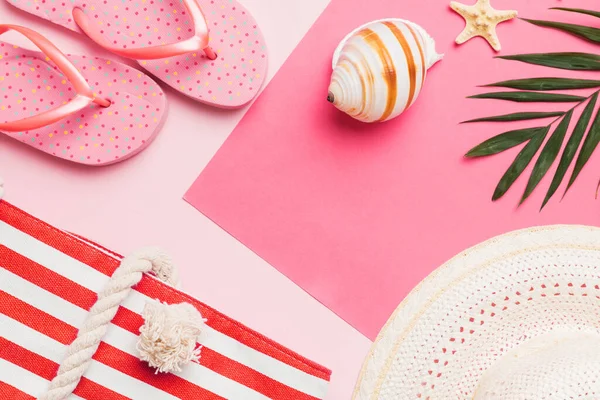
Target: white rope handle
(168, 339)
(81, 350)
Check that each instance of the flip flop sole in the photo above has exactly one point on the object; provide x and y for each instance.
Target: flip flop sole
(30, 84)
(230, 81)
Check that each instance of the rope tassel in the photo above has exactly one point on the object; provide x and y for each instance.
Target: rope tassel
(168, 337)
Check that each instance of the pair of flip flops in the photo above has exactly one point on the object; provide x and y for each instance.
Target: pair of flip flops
(96, 111)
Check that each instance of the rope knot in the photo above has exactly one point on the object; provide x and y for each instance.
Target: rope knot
(169, 335)
(162, 264)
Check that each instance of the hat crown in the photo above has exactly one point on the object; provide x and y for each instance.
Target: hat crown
(561, 364)
(516, 317)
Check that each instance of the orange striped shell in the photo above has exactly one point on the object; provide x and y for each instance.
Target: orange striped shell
(379, 69)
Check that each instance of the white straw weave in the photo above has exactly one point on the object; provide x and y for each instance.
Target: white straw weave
(516, 317)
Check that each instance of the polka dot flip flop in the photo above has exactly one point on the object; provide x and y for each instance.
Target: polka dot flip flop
(82, 109)
(210, 50)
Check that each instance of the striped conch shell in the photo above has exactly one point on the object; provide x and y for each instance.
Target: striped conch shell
(379, 69)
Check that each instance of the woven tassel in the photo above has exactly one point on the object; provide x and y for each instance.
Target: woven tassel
(169, 335)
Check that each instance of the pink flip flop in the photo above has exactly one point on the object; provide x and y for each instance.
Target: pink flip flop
(210, 50)
(84, 109)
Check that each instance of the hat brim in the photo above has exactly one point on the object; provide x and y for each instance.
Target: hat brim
(467, 313)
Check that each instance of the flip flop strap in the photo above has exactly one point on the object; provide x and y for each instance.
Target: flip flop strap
(198, 42)
(84, 93)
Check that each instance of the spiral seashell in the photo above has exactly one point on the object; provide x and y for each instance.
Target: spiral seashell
(379, 69)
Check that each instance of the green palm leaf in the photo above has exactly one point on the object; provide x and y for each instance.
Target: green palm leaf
(548, 155)
(504, 141)
(520, 116)
(530, 97)
(547, 84)
(578, 10)
(520, 163)
(570, 61)
(583, 32)
(571, 148)
(585, 136)
(589, 145)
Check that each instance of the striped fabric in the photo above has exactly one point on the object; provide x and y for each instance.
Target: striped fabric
(49, 279)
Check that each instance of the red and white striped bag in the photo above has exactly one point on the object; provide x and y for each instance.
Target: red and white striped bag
(49, 279)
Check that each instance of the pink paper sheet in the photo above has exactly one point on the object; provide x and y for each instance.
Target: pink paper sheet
(358, 214)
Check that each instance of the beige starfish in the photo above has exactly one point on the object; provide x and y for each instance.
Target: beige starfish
(481, 20)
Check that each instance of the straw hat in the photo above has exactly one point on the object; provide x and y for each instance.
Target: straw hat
(516, 317)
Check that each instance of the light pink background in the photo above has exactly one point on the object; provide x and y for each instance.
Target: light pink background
(138, 203)
(358, 214)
